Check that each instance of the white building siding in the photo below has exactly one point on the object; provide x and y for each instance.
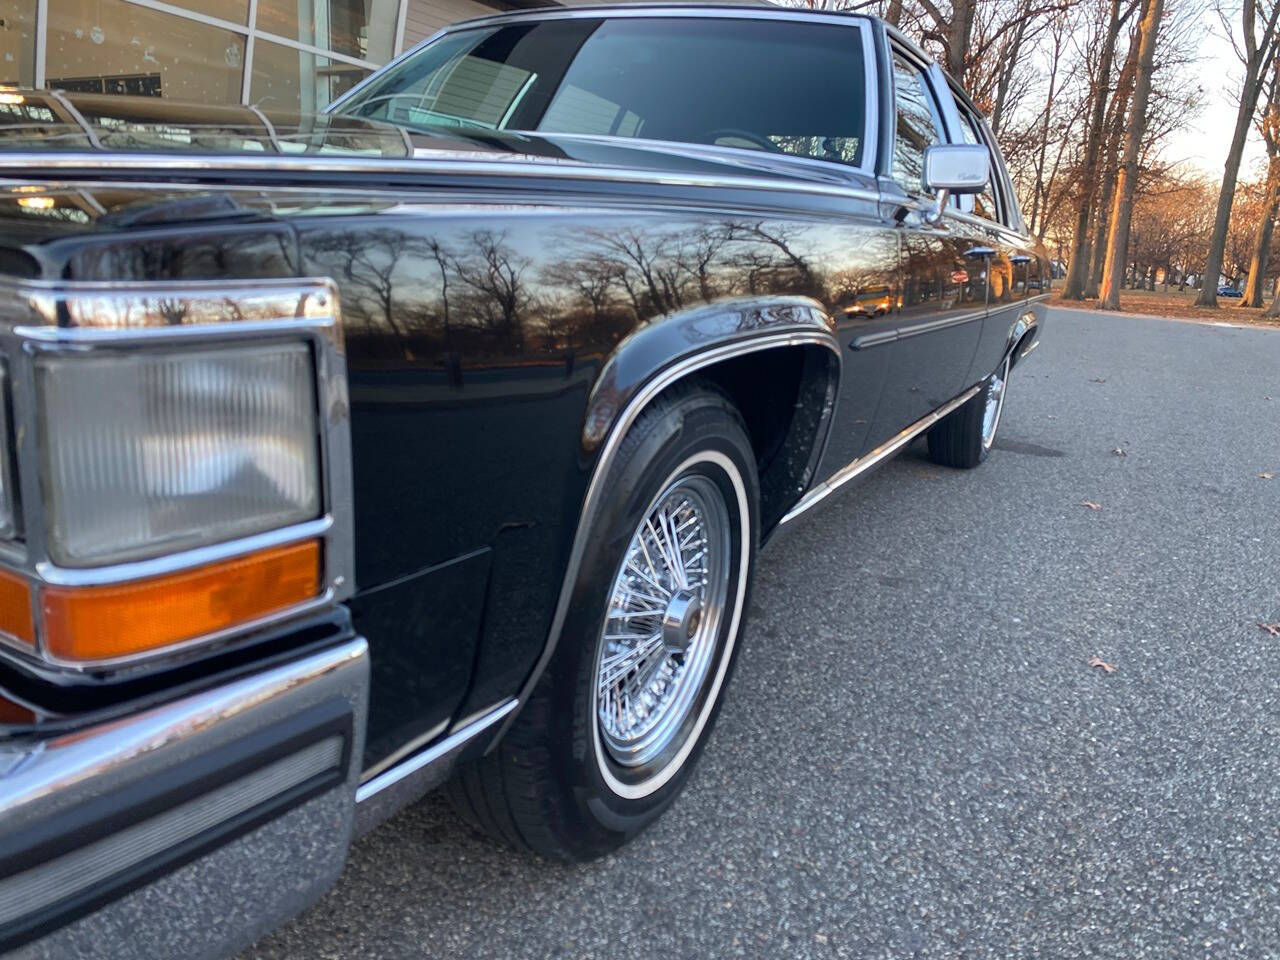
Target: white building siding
(424, 17)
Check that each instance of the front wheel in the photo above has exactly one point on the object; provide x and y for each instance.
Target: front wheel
(965, 436)
(615, 724)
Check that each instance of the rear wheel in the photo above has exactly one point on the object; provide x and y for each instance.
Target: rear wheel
(614, 725)
(965, 436)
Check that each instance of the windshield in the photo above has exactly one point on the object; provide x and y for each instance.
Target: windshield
(779, 86)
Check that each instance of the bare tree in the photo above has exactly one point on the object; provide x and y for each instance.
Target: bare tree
(1269, 125)
(1122, 213)
(1093, 142)
(1259, 50)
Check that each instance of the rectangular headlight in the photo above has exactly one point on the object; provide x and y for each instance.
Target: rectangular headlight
(152, 452)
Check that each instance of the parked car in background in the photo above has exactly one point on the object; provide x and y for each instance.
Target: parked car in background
(434, 439)
(1226, 290)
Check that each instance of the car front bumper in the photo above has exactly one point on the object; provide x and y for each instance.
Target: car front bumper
(187, 829)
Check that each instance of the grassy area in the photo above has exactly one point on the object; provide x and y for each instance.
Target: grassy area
(1176, 303)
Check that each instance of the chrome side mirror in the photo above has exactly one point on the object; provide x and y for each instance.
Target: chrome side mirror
(954, 168)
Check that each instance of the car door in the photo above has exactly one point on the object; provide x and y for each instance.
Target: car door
(943, 266)
(1018, 273)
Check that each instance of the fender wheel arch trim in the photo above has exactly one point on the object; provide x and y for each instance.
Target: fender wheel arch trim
(651, 389)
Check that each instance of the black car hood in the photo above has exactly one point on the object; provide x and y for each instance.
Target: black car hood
(41, 121)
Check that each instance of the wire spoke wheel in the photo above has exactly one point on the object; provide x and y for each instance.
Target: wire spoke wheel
(994, 405)
(665, 610)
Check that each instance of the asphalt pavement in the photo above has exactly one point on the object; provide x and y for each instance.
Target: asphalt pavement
(916, 758)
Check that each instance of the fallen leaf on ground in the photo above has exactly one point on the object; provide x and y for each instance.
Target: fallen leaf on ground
(1098, 380)
(1099, 662)
(1090, 504)
(1267, 475)
(1119, 452)
(1271, 628)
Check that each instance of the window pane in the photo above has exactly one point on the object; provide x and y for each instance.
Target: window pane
(286, 79)
(778, 87)
(984, 203)
(917, 126)
(357, 28)
(18, 42)
(236, 11)
(109, 46)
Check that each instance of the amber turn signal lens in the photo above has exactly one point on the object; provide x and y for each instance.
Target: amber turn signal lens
(15, 608)
(100, 623)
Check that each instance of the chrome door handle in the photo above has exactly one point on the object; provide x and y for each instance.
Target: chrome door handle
(973, 253)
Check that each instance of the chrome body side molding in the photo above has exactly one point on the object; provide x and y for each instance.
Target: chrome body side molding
(901, 333)
(866, 462)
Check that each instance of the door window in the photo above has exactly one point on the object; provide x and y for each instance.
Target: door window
(917, 126)
(984, 203)
(774, 87)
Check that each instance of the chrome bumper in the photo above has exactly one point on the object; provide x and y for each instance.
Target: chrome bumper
(189, 829)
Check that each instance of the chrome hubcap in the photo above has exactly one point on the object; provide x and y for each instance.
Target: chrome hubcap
(995, 404)
(665, 611)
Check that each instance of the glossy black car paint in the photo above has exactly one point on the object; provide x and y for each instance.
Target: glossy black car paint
(496, 326)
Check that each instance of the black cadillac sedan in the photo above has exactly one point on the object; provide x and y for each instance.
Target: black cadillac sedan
(432, 440)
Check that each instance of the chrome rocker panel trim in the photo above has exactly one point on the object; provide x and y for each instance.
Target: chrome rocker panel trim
(866, 462)
(380, 796)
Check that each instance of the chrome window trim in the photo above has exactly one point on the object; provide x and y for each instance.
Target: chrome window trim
(157, 163)
(871, 102)
(306, 310)
(608, 450)
(618, 10)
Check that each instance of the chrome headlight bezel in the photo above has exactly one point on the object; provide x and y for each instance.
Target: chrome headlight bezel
(48, 319)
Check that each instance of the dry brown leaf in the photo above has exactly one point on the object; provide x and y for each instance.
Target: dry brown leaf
(1090, 504)
(1267, 475)
(1099, 662)
(1271, 628)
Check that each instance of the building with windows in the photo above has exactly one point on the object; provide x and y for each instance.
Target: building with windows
(275, 54)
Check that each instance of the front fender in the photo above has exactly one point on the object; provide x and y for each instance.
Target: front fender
(676, 345)
(658, 355)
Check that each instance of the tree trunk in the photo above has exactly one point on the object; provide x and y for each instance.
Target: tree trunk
(1257, 54)
(1078, 273)
(1261, 250)
(1108, 172)
(1122, 212)
(959, 34)
(1226, 196)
